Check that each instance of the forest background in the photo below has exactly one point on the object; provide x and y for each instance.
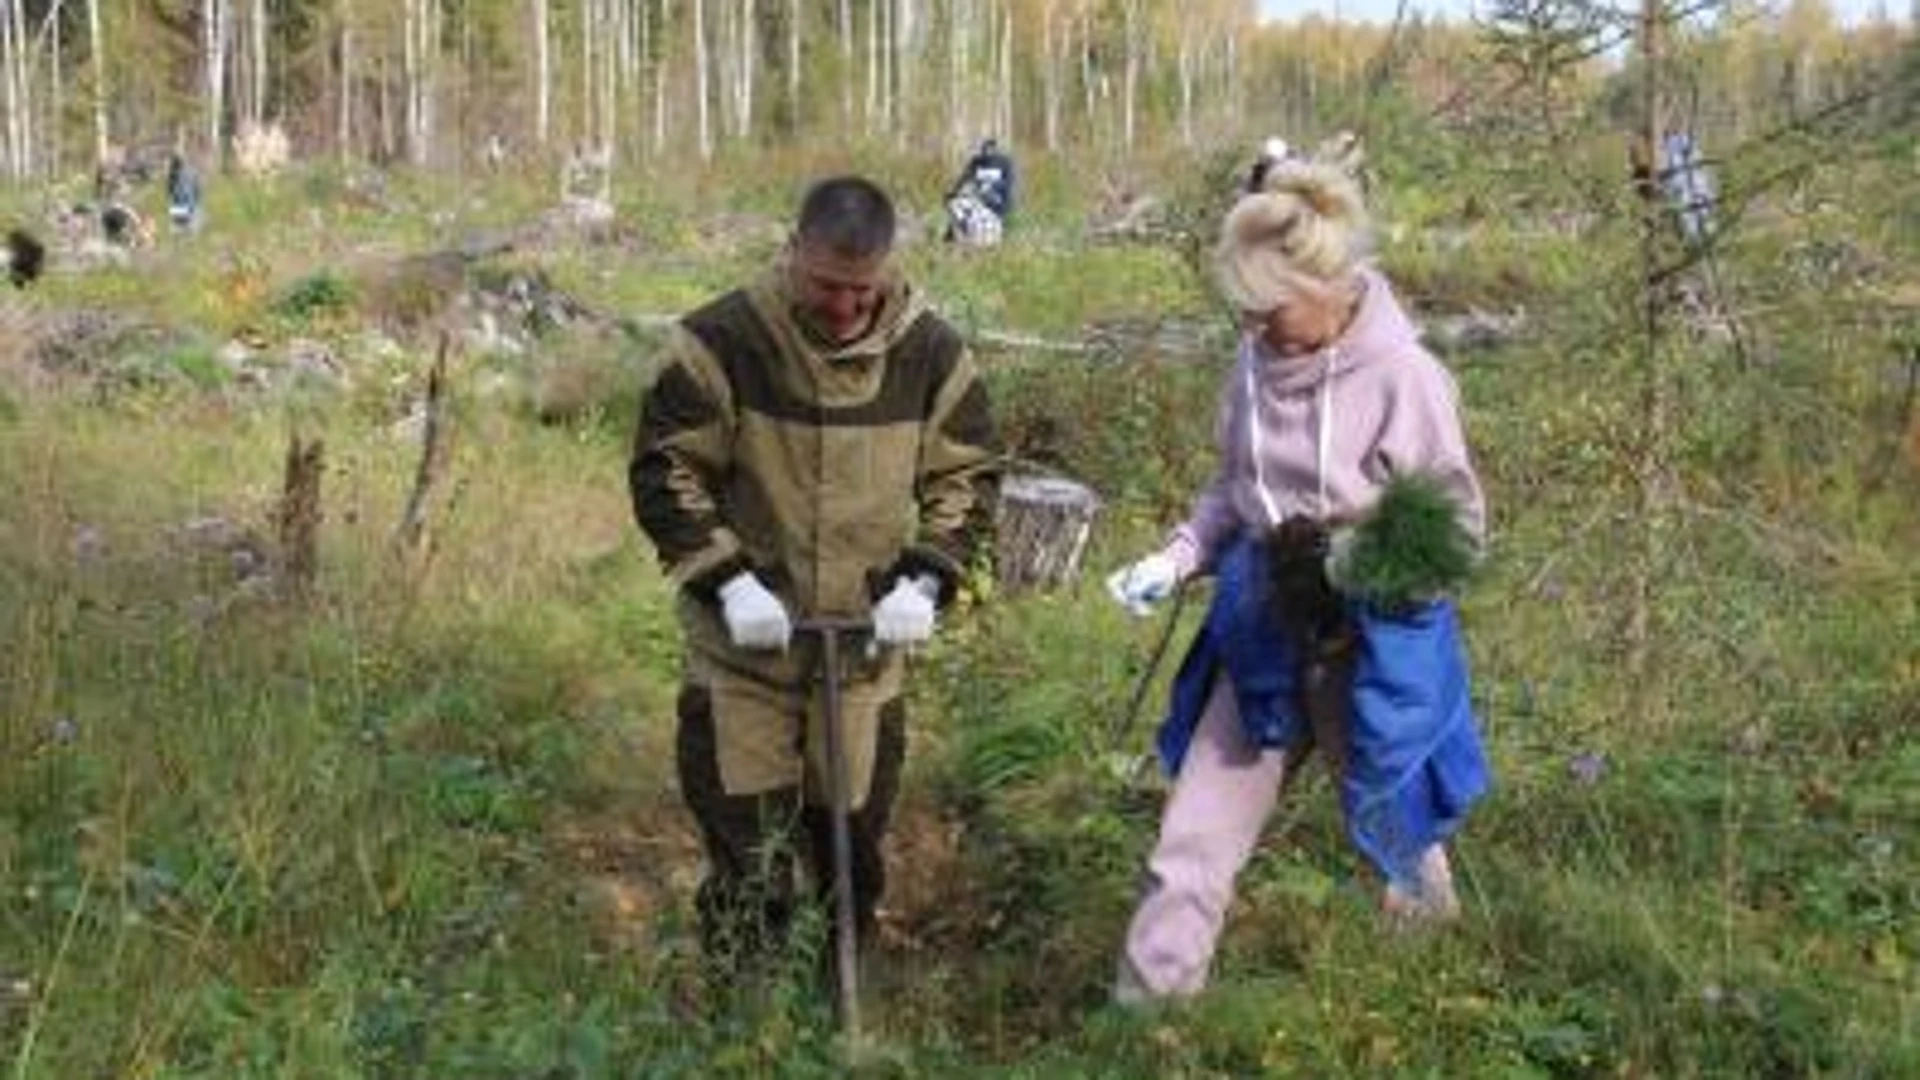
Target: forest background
(335, 680)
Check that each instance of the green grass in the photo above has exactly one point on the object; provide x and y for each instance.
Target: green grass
(425, 825)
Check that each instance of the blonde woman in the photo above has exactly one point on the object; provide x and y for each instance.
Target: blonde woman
(1331, 398)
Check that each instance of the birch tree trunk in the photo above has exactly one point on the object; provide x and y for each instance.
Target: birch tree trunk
(743, 65)
(258, 93)
(585, 132)
(1050, 78)
(1131, 84)
(793, 66)
(96, 52)
(1003, 120)
(886, 63)
(1087, 73)
(845, 8)
(906, 47)
(660, 68)
(344, 135)
(872, 108)
(700, 78)
(1188, 64)
(12, 66)
(542, 76)
(214, 20)
(410, 76)
(959, 15)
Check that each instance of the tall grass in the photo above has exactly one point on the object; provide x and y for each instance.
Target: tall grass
(424, 826)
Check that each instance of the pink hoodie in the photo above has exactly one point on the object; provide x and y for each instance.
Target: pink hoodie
(1373, 403)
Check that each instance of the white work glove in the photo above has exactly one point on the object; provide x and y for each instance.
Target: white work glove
(1141, 585)
(905, 615)
(756, 619)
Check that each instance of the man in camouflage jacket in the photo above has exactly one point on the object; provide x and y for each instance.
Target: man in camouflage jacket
(818, 443)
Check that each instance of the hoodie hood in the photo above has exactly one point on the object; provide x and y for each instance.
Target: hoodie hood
(1379, 331)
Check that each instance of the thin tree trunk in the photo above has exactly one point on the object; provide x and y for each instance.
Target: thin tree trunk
(1087, 74)
(1652, 465)
(873, 65)
(660, 68)
(700, 76)
(1003, 123)
(1130, 88)
(845, 11)
(259, 39)
(542, 76)
(57, 105)
(214, 14)
(887, 15)
(956, 73)
(97, 55)
(1050, 78)
(794, 16)
(906, 29)
(344, 136)
(10, 64)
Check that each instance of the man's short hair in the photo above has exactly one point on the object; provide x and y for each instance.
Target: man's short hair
(848, 215)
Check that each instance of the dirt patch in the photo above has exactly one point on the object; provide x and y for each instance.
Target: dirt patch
(634, 866)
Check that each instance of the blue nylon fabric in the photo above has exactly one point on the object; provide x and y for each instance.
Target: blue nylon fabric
(1415, 763)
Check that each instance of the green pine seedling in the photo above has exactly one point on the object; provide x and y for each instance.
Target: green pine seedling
(1410, 548)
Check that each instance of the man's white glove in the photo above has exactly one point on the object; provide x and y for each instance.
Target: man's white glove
(1143, 584)
(905, 615)
(756, 619)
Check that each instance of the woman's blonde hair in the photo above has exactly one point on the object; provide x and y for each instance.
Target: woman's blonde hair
(1304, 230)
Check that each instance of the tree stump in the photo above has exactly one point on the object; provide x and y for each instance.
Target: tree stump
(299, 516)
(1044, 523)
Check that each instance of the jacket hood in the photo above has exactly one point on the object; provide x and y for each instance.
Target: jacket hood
(1379, 331)
(772, 297)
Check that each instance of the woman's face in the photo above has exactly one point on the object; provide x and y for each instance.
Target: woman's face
(1302, 322)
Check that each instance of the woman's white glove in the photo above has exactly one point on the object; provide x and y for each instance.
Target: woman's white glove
(1140, 585)
(905, 615)
(756, 619)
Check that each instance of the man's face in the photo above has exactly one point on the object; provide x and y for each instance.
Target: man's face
(838, 294)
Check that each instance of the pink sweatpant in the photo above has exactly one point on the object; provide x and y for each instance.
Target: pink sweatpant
(1221, 800)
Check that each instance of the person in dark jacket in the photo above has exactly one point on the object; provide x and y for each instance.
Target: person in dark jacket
(183, 194)
(981, 199)
(818, 443)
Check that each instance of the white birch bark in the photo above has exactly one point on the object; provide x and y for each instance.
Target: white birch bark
(1050, 78)
(872, 103)
(258, 39)
(1003, 118)
(542, 75)
(214, 22)
(906, 47)
(700, 76)
(1131, 79)
(344, 135)
(845, 17)
(661, 66)
(96, 54)
(794, 16)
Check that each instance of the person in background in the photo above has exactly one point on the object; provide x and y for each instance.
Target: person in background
(183, 194)
(1273, 151)
(1689, 186)
(980, 203)
(1331, 403)
(818, 443)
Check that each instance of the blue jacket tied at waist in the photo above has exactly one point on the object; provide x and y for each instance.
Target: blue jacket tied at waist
(1415, 763)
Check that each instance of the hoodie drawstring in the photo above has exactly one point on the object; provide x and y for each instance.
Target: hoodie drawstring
(1323, 437)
